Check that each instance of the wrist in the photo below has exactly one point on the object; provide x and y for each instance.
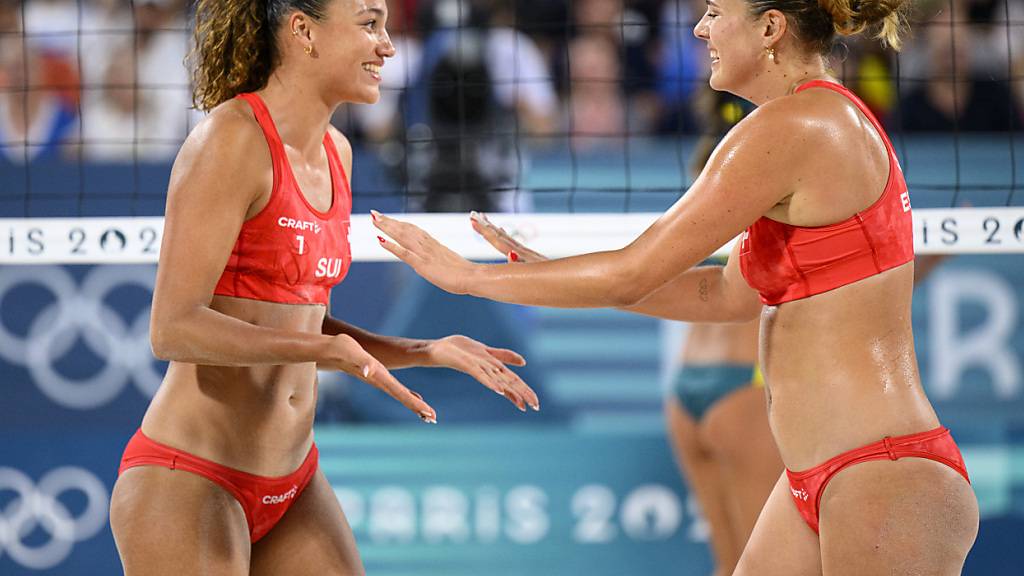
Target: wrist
(424, 353)
(466, 280)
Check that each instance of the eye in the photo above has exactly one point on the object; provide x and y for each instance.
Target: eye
(371, 24)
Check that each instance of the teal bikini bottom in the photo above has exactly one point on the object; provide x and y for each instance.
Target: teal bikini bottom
(700, 386)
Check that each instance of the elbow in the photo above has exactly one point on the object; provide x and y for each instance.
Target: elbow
(165, 337)
(629, 289)
(160, 342)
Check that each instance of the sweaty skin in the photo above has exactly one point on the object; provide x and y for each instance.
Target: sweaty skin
(835, 165)
(840, 366)
(241, 387)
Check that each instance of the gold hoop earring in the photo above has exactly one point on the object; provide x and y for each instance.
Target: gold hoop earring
(771, 54)
(308, 49)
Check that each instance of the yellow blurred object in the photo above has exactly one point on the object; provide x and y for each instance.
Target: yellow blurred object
(876, 87)
(757, 380)
(731, 112)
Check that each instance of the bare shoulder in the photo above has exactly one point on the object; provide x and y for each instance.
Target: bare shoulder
(791, 118)
(226, 146)
(228, 127)
(796, 128)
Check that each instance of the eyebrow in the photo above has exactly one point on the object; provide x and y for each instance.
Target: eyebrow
(377, 11)
(712, 3)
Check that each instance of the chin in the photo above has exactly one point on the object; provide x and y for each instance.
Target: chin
(366, 97)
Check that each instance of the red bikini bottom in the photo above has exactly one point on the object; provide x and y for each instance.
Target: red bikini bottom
(264, 500)
(937, 445)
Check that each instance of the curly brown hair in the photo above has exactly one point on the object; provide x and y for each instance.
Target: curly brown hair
(236, 47)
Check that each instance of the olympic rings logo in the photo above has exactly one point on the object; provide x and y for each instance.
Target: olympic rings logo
(81, 314)
(37, 507)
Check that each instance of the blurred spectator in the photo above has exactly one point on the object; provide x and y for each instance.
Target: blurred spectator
(136, 105)
(38, 91)
(998, 42)
(682, 65)
(951, 91)
(627, 26)
(481, 90)
(596, 102)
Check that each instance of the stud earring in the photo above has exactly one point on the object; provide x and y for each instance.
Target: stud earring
(771, 54)
(308, 49)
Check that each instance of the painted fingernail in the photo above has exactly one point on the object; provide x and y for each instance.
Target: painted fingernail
(513, 257)
(375, 215)
(427, 417)
(366, 371)
(474, 215)
(536, 407)
(382, 240)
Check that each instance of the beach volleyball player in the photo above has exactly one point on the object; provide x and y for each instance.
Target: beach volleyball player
(222, 477)
(874, 484)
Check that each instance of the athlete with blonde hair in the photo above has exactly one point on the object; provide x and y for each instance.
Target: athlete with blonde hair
(873, 483)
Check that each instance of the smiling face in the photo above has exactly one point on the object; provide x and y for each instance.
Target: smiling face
(735, 44)
(351, 44)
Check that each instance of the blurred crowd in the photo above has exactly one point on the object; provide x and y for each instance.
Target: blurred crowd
(478, 83)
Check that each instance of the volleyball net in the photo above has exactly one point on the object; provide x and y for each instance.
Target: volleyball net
(573, 123)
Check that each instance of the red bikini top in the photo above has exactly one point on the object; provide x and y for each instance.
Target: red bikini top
(784, 262)
(290, 252)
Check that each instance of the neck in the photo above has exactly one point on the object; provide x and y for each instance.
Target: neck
(780, 79)
(300, 112)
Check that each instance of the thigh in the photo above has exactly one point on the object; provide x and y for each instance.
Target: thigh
(704, 479)
(904, 517)
(737, 430)
(313, 537)
(172, 522)
(782, 544)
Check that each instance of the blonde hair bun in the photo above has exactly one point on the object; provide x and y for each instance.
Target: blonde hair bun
(851, 17)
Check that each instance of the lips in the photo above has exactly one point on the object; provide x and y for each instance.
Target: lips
(373, 69)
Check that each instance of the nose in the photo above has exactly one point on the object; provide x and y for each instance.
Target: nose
(386, 49)
(700, 30)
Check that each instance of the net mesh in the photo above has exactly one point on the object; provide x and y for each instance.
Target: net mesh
(574, 107)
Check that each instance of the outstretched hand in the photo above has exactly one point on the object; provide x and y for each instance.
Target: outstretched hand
(348, 356)
(502, 241)
(487, 365)
(432, 260)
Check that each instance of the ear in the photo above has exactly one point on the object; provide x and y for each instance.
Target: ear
(775, 26)
(299, 27)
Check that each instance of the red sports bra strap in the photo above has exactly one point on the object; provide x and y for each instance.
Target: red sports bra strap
(266, 122)
(839, 88)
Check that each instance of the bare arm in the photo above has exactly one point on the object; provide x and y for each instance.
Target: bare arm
(485, 363)
(701, 294)
(741, 182)
(220, 174)
(203, 218)
(704, 294)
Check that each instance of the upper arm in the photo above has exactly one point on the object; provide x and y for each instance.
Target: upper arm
(748, 173)
(222, 170)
